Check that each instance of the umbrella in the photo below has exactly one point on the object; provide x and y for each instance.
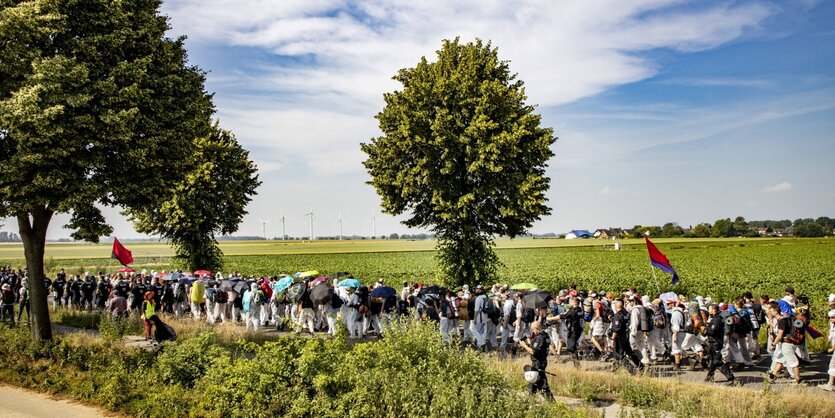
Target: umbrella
(383, 292)
(350, 283)
(173, 276)
(536, 300)
(227, 285)
(296, 291)
(303, 274)
(524, 286)
(665, 297)
(126, 270)
(202, 272)
(185, 280)
(282, 284)
(433, 290)
(319, 280)
(321, 294)
(212, 282)
(239, 286)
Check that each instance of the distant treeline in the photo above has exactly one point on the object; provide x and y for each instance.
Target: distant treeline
(739, 227)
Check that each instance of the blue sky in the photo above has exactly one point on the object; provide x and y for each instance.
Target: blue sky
(665, 110)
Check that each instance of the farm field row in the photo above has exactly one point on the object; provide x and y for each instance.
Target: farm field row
(160, 249)
(720, 268)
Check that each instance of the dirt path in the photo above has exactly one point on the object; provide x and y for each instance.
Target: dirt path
(21, 403)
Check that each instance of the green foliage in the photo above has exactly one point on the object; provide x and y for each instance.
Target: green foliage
(408, 373)
(96, 102)
(463, 153)
(112, 328)
(210, 200)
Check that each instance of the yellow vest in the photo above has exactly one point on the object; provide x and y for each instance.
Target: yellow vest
(150, 309)
(197, 289)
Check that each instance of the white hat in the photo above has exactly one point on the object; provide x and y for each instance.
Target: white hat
(831, 297)
(832, 313)
(465, 287)
(6, 286)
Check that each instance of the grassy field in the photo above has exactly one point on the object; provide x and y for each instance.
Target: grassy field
(717, 267)
(156, 249)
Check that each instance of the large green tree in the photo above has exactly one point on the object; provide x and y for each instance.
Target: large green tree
(211, 199)
(97, 108)
(463, 155)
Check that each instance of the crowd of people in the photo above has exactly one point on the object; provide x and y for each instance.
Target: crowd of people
(626, 328)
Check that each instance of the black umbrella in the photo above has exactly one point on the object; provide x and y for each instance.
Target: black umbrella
(321, 294)
(239, 286)
(434, 290)
(383, 292)
(185, 281)
(296, 291)
(536, 299)
(227, 285)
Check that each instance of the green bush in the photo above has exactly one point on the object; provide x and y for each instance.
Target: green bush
(407, 373)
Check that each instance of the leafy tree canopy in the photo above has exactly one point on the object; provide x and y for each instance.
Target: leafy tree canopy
(97, 108)
(462, 154)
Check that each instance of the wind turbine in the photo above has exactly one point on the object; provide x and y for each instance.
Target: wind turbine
(340, 222)
(312, 217)
(283, 220)
(264, 227)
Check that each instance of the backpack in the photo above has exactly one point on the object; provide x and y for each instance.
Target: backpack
(471, 308)
(211, 294)
(743, 325)
(528, 315)
(491, 310)
(8, 297)
(511, 319)
(659, 318)
(336, 302)
(261, 297)
(644, 322)
(222, 296)
(798, 329)
(179, 292)
(606, 313)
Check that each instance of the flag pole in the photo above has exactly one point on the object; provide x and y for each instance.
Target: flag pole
(655, 278)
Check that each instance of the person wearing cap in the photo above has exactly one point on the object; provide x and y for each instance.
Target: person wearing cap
(507, 327)
(716, 332)
(7, 298)
(147, 312)
(466, 334)
(784, 351)
(478, 323)
(537, 348)
(619, 340)
(640, 322)
(830, 384)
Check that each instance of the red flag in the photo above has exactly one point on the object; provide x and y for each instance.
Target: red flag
(121, 253)
(659, 260)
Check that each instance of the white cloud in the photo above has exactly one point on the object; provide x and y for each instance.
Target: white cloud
(610, 191)
(350, 50)
(781, 187)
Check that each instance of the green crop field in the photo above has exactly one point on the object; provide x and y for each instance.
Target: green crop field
(717, 267)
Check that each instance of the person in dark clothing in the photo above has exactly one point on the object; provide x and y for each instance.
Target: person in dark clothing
(158, 290)
(573, 320)
(716, 331)
(619, 341)
(58, 286)
(137, 291)
(88, 288)
(122, 287)
(537, 346)
(168, 298)
(7, 298)
(75, 292)
(102, 293)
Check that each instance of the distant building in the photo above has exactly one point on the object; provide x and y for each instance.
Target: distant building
(609, 233)
(578, 233)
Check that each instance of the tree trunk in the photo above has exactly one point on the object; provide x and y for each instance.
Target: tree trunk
(33, 234)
